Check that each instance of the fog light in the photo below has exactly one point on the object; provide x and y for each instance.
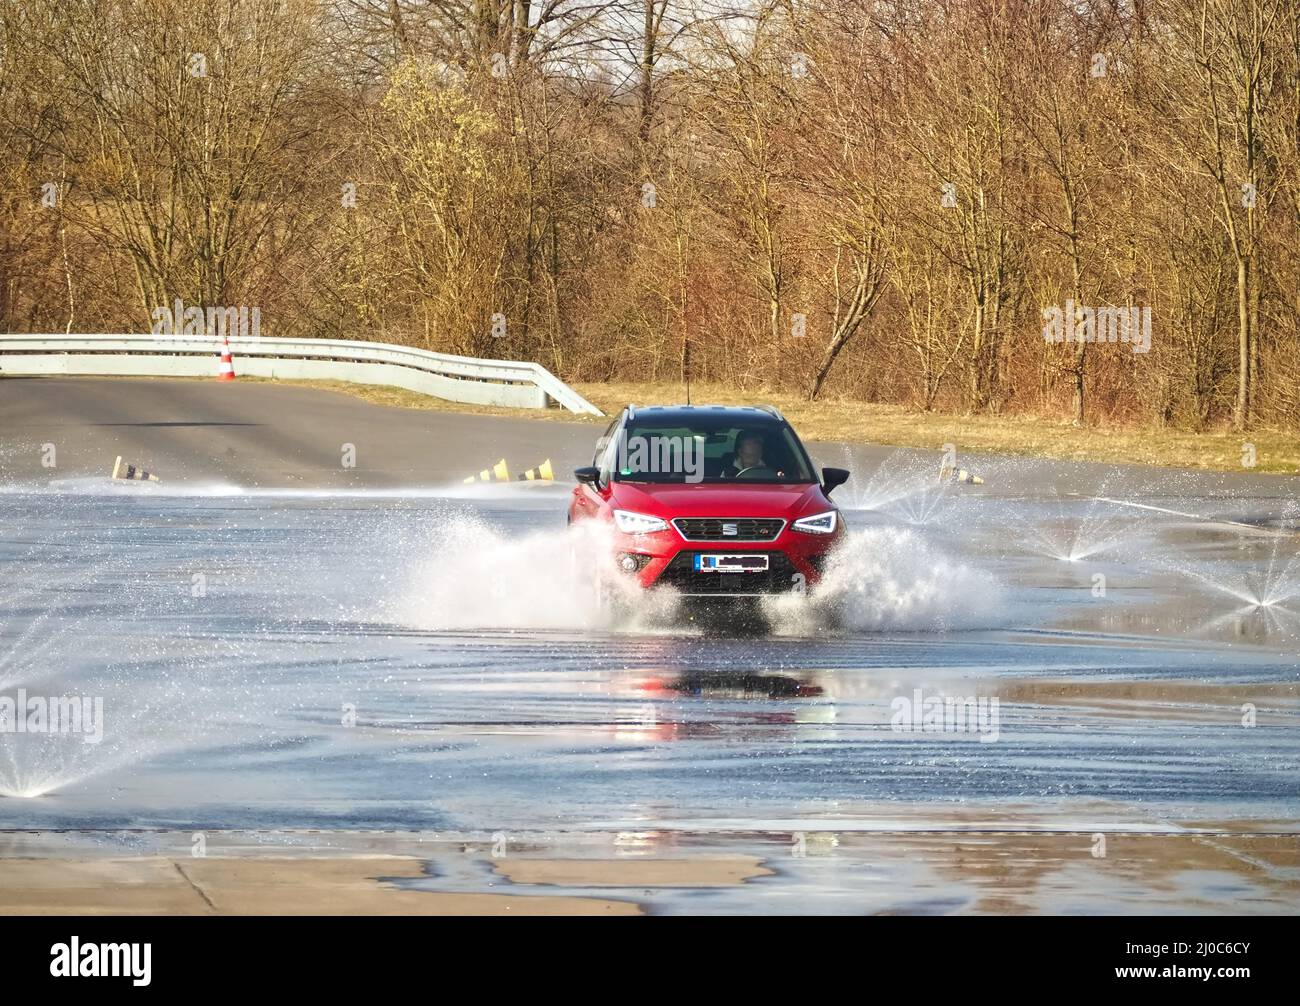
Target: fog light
(629, 564)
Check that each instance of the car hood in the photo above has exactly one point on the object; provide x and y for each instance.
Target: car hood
(713, 499)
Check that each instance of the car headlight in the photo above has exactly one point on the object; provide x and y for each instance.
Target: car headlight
(819, 523)
(638, 523)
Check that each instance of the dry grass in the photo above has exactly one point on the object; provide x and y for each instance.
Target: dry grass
(1276, 451)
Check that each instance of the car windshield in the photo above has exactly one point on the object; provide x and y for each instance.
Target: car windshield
(718, 449)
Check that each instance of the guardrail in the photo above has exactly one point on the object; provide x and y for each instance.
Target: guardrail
(509, 383)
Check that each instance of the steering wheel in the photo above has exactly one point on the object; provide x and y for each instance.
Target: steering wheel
(759, 469)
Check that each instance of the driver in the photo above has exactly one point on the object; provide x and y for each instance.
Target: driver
(749, 453)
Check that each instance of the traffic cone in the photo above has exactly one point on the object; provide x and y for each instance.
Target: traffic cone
(953, 473)
(499, 469)
(226, 372)
(131, 472)
(542, 472)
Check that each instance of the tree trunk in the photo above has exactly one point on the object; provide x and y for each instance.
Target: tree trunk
(1241, 414)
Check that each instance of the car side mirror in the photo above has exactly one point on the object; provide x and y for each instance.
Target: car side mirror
(590, 475)
(832, 477)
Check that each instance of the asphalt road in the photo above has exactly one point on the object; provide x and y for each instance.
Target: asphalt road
(261, 435)
(286, 665)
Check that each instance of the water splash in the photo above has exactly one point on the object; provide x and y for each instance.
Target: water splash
(1267, 581)
(893, 579)
(477, 577)
(904, 486)
(138, 722)
(1259, 623)
(52, 596)
(34, 606)
(1080, 528)
(472, 575)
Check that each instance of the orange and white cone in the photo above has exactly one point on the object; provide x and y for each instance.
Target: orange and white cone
(226, 372)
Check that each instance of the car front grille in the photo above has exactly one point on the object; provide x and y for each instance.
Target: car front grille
(681, 576)
(716, 528)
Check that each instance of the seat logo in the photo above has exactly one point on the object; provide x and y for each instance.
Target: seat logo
(730, 529)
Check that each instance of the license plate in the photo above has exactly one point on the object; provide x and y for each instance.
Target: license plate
(731, 564)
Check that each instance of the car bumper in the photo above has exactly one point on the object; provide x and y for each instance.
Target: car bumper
(796, 561)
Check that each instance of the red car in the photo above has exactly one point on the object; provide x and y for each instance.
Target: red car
(710, 500)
